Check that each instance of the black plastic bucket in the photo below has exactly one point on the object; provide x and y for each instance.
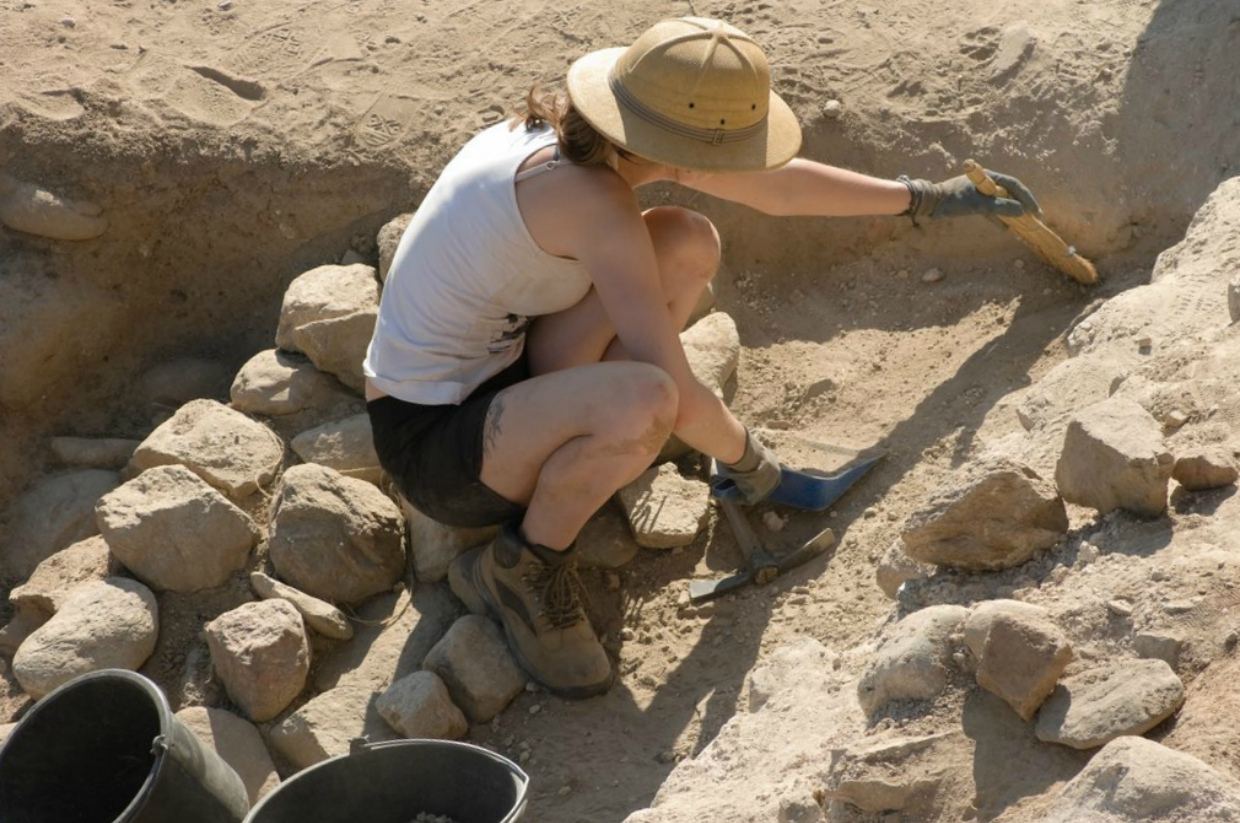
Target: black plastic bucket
(106, 748)
(394, 782)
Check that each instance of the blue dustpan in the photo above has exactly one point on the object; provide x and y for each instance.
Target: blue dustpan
(798, 489)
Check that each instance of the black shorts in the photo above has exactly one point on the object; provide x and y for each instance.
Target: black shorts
(434, 453)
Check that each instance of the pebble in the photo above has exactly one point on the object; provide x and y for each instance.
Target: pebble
(1175, 419)
(773, 521)
(932, 276)
(565, 791)
(535, 709)
(427, 817)
(1019, 264)
(902, 274)
(1120, 607)
(68, 22)
(225, 5)
(832, 109)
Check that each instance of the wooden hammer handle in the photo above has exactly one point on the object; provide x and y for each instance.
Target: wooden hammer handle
(978, 177)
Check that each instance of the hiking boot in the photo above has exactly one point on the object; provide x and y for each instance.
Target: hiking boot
(534, 593)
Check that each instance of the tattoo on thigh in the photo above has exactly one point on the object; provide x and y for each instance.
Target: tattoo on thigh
(492, 428)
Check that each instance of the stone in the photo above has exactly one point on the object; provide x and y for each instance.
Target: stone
(895, 774)
(712, 346)
(94, 452)
(173, 384)
(30, 208)
(1207, 467)
(324, 726)
(606, 541)
(323, 618)
(911, 660)
(1016, 46)
(1233, 298)
(1022, 660)
(978, 624)
(51, 515)
(347, 445)
(174, 531)
(767, 763)
(275, 382)
(1133, 779)
(996, 514)
(435, 545)
(895, 567)
(664, 509)
(1158, 645)
(238, 743)
(103, 624)
(1070, 386)
(338, 345)
(49, 587)
(389, 239)
(230, 451)
(333, 537)
(1092, 708)
(1114, 458)
(419, 706)
(261, 654)
(480, 672)
(394, 633)
(325, 293)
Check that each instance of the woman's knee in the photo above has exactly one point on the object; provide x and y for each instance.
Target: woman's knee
(644, 403)
(684, 241)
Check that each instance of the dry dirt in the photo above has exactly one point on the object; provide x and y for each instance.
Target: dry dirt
(233, 145)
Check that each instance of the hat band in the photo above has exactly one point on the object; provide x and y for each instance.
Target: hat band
(715, 137)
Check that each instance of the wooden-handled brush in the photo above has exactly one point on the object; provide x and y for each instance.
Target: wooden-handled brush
(1033, 232)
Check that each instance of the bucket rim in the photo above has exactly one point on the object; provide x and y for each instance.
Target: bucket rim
(360, 746)
(159, 747)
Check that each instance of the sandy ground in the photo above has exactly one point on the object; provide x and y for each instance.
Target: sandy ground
(232, 145)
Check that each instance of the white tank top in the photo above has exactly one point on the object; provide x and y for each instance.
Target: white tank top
(466, 277)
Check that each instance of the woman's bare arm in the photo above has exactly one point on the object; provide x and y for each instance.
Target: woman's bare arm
(802, 187)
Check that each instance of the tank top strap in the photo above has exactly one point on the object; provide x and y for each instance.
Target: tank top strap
(541, 168)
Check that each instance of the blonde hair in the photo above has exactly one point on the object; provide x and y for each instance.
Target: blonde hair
(579, 141)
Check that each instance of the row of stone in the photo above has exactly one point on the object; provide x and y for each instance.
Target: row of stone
(998, 512)
(1017, 652)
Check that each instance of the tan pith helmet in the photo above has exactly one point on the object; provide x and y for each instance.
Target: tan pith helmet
(691, 92)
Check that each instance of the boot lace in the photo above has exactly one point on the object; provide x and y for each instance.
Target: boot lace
(559, 592)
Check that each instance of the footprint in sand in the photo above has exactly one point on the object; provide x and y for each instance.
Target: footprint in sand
(28, 208)
(276, 51)
(386, 121)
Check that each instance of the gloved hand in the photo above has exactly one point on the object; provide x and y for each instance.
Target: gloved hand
(958, 197)
(756, 474)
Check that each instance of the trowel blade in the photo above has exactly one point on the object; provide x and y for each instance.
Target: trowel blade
(701, 591)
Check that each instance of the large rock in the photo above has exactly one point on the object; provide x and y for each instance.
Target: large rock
(49, 587)
(323, 618)
(348, 446)
(238, 743)
(435, 545)
(1205, 467)
(1133, 779)
(767, 763)
(1096, 706)
(1070, 386)
(480, 672)
(333, 537)
(893, 774)
(325, 725)
(94, 452)
(338, 345)
(912, 659)
(230, 451)
(388, 239)
(664, 509)
(977, 626)
(997, 514)
(1022, 659)
(419, 706)
(1114, 458)
(262, 655)
(325, 293)
(52, 515)
(275, 382)
(104, 624)
(712, 346)
(175, 532)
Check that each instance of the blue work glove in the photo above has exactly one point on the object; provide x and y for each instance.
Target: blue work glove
(958, 197)
(756, 474)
